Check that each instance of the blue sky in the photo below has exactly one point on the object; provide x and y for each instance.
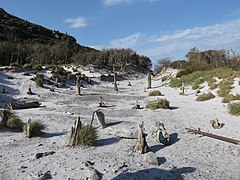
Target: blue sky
(154, 28)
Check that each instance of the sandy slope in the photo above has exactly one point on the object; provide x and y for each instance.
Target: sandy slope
(188, 157)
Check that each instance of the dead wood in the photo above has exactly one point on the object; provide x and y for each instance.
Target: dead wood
(78, 85)
(24, 105)
(4, 119)
(149, 80)
(141, 144)
(75, 130)
(234, 141)
(101, 118)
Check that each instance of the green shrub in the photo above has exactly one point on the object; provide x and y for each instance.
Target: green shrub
(14, 122)
(205, 97)
(35, 128)
(228, 98)
(159, 103)
(39, 80)
(87, 136)
(234, 109)
(154, 93)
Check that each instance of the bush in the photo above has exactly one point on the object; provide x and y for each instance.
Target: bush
(14, 122)
(37, 67)
(230, 98)
(154, 93)
(35, 128)
(159, 103)
(234, 109)
(205, 97)
(87, 136)
(39, 80)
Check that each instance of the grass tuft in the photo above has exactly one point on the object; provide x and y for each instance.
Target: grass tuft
(154, 93)
(234, 109)
(87, 136)
(205, 97)
(159, 103)
(36, 128)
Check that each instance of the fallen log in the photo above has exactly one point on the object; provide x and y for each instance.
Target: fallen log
(230, 140)
(25, 105)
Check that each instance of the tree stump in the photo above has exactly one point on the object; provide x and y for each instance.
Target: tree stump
(141, 144)
(28, 131)
(4, 119)
(101, 103)
(78, 85)
(183, 89)
(73, 140)
(30, 91)
(149, 80)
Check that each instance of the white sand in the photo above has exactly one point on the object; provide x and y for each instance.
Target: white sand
(188, 157)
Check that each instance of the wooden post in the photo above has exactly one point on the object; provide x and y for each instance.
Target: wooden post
(28, 130)
(141, 144)
(78, 85)
(149, 80)
(115, 82)
(73, 140)
(183, 88)
(101, 103)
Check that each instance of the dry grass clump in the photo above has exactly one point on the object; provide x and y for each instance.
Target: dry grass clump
(13, 121)
(234, 109)
(230, 98)
(159, 103)
(87, 136)
(154, 93)
(36, 128)
(39, 80)
(205, 97)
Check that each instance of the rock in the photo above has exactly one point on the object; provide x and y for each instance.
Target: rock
(151, 158)
(39, 155)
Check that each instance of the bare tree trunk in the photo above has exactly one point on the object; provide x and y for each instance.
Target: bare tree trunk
(115, 82)
(78, 85)
(73, 140)
(141, 144)
(149, 80)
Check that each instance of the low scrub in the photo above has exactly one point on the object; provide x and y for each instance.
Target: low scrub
(13, 121)
(36, 128)
(154, 93)
(230, 98)
(159, 103)
(234, 109)
(87, 136)
(39, 80)
(205, 97)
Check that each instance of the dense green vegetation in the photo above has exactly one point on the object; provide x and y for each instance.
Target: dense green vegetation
(26, 44)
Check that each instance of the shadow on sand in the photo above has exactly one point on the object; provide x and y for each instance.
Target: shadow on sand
(107, 141)
(154, 173)
(49, 135)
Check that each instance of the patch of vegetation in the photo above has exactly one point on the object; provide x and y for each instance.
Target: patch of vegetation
(87, 136)
(36, 128)
(154, 93)
(234, 109)
(225, 87)
(159, 103)
(39, 80)
(13, 121)
(230, 98)
(205, 97)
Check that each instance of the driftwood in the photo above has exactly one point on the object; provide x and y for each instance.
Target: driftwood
(141, 144)
(149, 80)
(101, 118)
(25, 105)
(234, 141)
(73, 140)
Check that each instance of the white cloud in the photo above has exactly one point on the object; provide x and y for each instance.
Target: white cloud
(178, 43)
(78, 22)
(115, 2)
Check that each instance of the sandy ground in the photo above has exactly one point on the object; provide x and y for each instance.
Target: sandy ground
(188, 157)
